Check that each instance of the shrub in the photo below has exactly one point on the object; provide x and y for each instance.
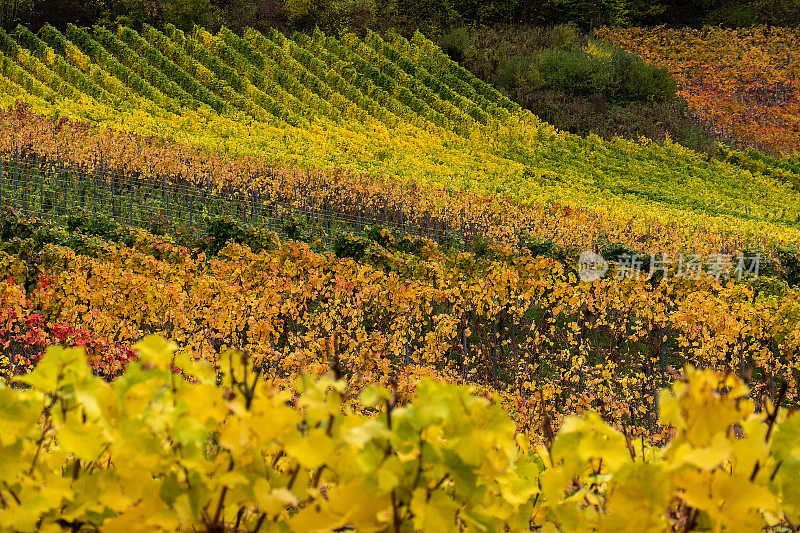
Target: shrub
(563, 36)
(347, 245)
(222, 229)
(543, 247)
(789, 260)
(165, 448)
(573, 71)
(458, 44)
(296, 228)
(633, 80)
(520, 73)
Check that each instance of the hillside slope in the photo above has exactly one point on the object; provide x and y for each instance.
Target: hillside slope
(742, 82)
(381, 106)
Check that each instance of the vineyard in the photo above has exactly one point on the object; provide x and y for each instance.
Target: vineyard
(502, 317)
(447, 461)
(517, 326)
(742, 82)
(378, 106)
(365, 260)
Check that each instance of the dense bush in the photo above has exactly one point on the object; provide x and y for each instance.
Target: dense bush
(545, 248)
(223, 229)
(789, 260)
(579, 86)
(633, 80)
(156, 451)
(354, 247)
(618, 76)
(458, 44)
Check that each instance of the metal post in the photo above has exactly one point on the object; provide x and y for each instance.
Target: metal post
(166, 196)
(494, 350)
(358, 215)
(41, 191)
(16, 173)
(464, 346)
(130, 210)
(191, 210)
(25, 192)
(428, 224)
(113, 193)
(330, 224)
(408, 350)
(94, 194)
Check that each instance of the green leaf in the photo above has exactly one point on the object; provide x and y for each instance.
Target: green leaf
(156, 351)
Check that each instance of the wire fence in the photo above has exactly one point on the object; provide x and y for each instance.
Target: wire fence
(51, 190)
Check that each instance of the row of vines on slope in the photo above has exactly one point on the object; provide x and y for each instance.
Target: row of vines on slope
(374, 106)
(508, 320)
(36, 145)
(742, 81)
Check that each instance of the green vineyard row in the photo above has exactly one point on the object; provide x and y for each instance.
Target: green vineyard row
(379, 105)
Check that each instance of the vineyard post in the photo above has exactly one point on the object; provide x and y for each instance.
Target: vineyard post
(25, 190)
(72, 183)
(183, 200)
(41, 190)
(402, 222)
(15, 180)
(324, 221)
(59, 170)
(744, 345)
(106, 184)
(272, 214)
(204, 201)
(435, 288)
(113, 194)
(94, 192)
(130, 209)
(408, 349)
(649, 379)
(312, 212)
(472, 231)
(51, 171)
(494, 350)
(250, 205)
(166, 196)
(463, 362)
(512, 333)
(330, 224)
(428, 224)
(36, 170)
(358, 214)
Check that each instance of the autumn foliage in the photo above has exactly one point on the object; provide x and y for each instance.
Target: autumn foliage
(743, 81)
(156, 452)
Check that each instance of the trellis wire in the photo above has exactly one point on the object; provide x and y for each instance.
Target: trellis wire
(49, 189)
